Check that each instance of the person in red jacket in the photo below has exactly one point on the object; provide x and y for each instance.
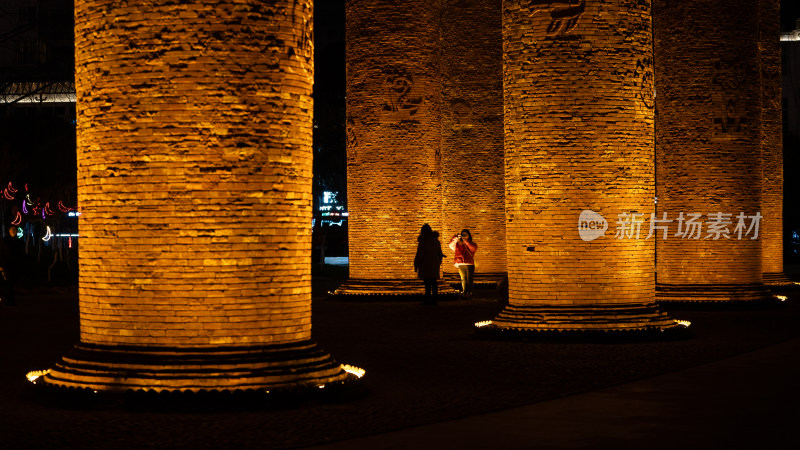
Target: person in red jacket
(465, 249)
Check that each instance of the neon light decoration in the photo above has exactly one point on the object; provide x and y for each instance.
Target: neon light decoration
(17, 220)
(47, 235)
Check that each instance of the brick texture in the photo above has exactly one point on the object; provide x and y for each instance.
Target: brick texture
(393, 138)
(771, 140)
(472, 130)
(194, 174)
(708, 145)
(578, 104)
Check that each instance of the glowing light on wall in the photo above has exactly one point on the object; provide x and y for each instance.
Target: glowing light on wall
(33, 376)
(684, 323)
(483, 323)
(17, 220)
(24, 208)
(782, 298)
(7, 195)
(28, 199)
(11, 188)
(47, 235)
(47, 209)
(357, 371)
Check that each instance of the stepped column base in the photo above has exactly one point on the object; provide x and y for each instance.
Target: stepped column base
(106, 368)
(617, 319)
(777, 279)
(399, 289)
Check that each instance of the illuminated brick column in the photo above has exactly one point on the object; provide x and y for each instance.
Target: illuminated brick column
(771, 144)
(393, 139)
(194, 180)
(578, 102)
(708, 147)
(472, 130)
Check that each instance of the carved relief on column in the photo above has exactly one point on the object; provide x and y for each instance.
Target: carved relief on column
(393, 147)
(577, 79)
(472, 130)
(708, 151)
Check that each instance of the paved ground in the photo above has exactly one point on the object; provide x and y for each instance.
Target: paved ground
(732, 385)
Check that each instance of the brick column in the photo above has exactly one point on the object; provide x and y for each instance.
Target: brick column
(771, 144)
(194, 180)
(393, 140)
(578, 102)
(472, 130)
(708, 149)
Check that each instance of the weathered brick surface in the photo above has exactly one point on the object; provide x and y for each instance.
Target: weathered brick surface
(393, 133)
(578, 105)
(472, 129)
(194, 171)
(771, 137)
(708, 128)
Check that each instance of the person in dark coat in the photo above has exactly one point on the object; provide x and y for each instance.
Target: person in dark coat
(428, 261)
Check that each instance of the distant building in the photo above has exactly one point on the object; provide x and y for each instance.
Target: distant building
(37, 58)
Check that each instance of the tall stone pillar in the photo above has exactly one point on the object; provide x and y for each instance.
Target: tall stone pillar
(393, 140)
(194, 182)
(578, 102)
(771, 137)
(708, 149)
(472, 130)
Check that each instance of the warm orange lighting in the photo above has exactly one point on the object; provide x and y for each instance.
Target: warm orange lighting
(782, 298)
(33, 376)
(357, 371)
(684, 323)
(483, 323)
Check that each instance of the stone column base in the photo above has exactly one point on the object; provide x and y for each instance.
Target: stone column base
(136, 368)
(408, 289)
(570, 320)
(714, 293)
(777, 279)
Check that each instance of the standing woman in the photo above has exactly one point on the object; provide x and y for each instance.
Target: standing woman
(465, 260)
(427, 262)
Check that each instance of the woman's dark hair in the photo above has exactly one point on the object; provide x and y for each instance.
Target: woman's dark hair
(469, 235)
(425, 231)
